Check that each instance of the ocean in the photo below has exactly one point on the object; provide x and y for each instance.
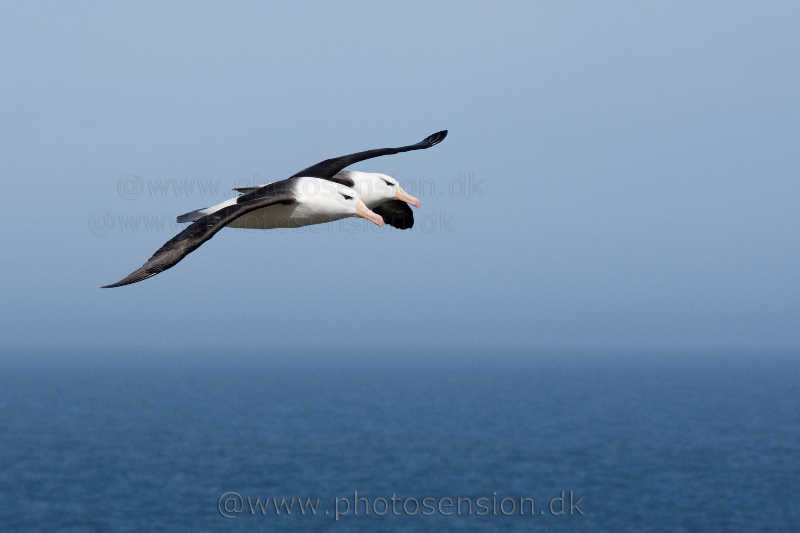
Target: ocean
(399, 440)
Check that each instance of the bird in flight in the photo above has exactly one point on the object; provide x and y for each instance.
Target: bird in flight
(320, 193)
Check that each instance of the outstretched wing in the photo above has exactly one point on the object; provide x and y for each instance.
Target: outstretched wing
(330, 167)
(199, 232)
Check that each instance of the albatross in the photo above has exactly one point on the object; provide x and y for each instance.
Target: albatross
(379, 191)
(311, 196)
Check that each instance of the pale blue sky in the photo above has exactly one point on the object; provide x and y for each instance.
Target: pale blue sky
(635, 169)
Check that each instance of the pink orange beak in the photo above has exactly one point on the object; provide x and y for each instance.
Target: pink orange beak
(405, 197)
(364, 212)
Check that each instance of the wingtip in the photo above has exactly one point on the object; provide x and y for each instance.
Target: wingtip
(435, 138)
(134, 277)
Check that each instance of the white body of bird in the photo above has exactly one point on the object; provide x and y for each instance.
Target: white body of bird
(374, 188)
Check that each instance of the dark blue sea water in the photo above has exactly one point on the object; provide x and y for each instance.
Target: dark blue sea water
(121, 441)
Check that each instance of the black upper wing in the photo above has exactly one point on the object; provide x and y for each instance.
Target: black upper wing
(330, 167)
(199, 232)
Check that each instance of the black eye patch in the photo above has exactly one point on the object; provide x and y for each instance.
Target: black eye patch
(345, 196)
(390, 184)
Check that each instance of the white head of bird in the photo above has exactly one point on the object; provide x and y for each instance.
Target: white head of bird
(376, 188)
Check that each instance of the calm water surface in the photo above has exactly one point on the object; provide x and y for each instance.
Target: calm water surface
(122, 441)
